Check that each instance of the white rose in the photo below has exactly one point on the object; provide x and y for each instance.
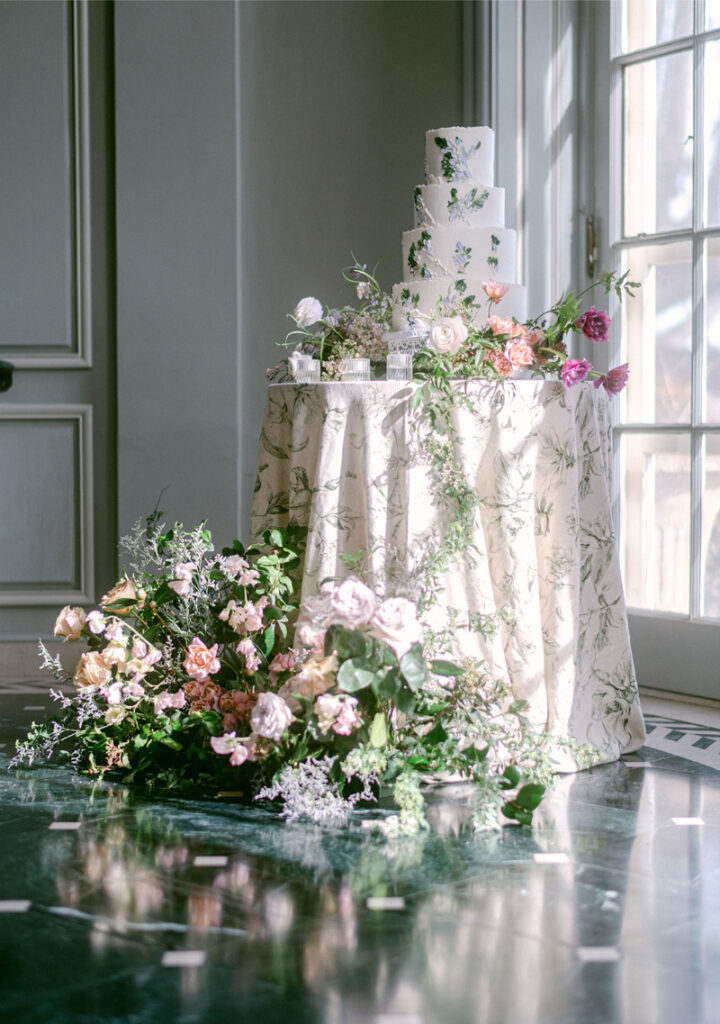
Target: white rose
(69, 623)
(270, 717)
(447, 335)
(308, 311)
(353, 604)
(396, 623)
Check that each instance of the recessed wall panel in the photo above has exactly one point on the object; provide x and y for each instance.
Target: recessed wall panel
(37, 220)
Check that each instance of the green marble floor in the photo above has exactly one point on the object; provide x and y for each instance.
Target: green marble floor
(118, 907)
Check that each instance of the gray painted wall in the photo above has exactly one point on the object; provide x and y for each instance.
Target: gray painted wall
(258, 146)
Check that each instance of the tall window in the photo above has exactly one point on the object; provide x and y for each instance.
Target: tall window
(666, 226)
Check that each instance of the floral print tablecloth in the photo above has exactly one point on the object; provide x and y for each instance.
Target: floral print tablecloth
(539, 595)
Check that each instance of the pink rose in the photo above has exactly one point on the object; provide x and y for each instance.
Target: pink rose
(395, 622)
(574, 371)
(614, 380)
(494, 290)
(201, 661)
(270, 717)
(594, 324)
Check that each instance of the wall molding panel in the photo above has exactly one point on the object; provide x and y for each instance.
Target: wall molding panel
(46, 505)
(59, 342)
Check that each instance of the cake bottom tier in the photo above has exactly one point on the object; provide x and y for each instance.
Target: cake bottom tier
(441, 297)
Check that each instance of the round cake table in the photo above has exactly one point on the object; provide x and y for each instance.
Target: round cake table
(538, 596)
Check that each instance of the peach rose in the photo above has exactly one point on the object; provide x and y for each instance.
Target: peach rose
(69, 623)
(520, 353)
(505, 325)
(122, 591)
(91, 672)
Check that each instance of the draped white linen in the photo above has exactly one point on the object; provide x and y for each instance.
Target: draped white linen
(538, 597)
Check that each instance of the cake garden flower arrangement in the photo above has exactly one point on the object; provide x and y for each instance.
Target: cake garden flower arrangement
(462, 337)
(192, 680)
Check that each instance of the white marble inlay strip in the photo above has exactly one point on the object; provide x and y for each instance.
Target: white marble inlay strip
(183, 958)
(385, 903)
(688, 821)
(399, 1018)
(638, 764)
(14, 906)
(550, 858)
(64, 826)
(210, 862)
(598, 954)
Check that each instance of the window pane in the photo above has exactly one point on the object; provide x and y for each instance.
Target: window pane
(657, 334)
(712, 331)
(712, 14)
(655, 520)
(646, 22)
(711, 73)
(657, 143)
(711, 528)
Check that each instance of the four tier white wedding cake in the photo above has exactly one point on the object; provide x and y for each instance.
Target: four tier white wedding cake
(459, 240)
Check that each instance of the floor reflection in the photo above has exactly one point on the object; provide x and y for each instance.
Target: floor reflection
(482, 932)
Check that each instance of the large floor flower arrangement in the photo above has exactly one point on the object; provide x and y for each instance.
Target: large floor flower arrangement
(201, 673)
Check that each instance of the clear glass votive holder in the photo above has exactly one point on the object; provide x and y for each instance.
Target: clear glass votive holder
(309, 372)
(399, 366)
(356, 369)
(298, 365)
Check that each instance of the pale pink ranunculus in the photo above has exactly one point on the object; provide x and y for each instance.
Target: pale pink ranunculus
(352, 603)
(308, 311)
(201, 661)
(69, 623)
(494, 290)
(520, 353)
(447, 335)
(614, 380)
(91, 672)
(270, 717)
(505, 325)
(395, 622)
(166, 699)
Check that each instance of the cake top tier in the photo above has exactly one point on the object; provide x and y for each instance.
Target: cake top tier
(460, 154)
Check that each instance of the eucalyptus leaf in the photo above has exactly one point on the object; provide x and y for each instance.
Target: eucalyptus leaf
(355, 674)
(413, 667)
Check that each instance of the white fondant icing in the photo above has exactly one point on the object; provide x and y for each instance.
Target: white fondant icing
(460, 155)
(465, 203)
(431, 253)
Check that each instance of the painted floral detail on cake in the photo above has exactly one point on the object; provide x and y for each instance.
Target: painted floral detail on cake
(455, 161)
(409, 299)
(422, 214)
(460, 207)
(492, 260)
(423, 247)
(461, 257)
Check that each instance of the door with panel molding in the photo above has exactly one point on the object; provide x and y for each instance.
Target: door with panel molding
(57, 421)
